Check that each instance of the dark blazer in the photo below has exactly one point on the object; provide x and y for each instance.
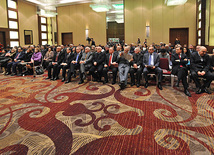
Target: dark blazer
(176, 64)
(20, 56)
(60, 57)
(197, 64)
(211, 62)
(68, 59)
(137, 59)
(27, 57)
(75, 57)
(99, 58)
(146, 59)
(114, 59)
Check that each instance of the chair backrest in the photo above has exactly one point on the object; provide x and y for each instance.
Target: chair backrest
(164, 63)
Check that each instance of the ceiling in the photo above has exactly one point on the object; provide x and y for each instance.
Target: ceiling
(114, 14)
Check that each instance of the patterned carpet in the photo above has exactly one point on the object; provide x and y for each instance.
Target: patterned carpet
(39, 116)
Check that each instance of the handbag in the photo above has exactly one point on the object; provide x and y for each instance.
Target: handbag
(39, 71)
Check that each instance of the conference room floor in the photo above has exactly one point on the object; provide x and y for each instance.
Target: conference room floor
(39, 116)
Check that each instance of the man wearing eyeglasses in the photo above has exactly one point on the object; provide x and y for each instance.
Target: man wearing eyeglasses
(200, 65)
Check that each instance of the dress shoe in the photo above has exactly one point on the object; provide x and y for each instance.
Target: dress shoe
(122, 85)
(67, 82)
(52, 79)
(187, 93)
(63, 79)
(206, 90)
(146, 84)
(159, 86)
(104, 82)
(12, 74)
(113, 82)
(47, 78)
(199, 91)
(132, 84)
(138, 85)
(19, 74)
(56, 78)
(8, 73)
(81, 81)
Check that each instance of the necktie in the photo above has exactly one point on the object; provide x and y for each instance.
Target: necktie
(150, 59)
(17, 56)
(56, 57)
(180, 59)
(77, 57)
(109, 63)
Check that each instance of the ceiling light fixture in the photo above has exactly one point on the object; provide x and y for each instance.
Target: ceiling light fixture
(118, 6)
(46, 13)
(175, 2)
(101, 5)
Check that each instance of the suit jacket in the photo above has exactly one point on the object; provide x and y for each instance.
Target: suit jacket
(156, 59)
(88, 59)
(60, 57)
(27, 57)
(99, 58)
(137, 59)
(176, 65)
(197, 64)
(75, 57)
(19, 55)
(69, 58)
(114, 59)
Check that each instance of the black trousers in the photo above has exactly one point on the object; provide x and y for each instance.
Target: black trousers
(114, 71)
(50, 66)
(208, 79)
(73, 68)
(182, 75)
(158, 71)
(138, 72)
(99, 73)
(63, 67)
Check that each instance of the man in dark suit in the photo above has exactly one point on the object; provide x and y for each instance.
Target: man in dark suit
(151, 62)
(212, 62)
(74, 64)
(85, 63)
(98, 62)
(65, 63)
(110, 64)
(200, 65)
(136, 67)
(17, 59)
(179, 61)
(58, 57)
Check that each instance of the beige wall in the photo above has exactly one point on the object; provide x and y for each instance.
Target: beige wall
(28, 20)
(160, 18)
(211, 41)
(78, 18)
(3, 14)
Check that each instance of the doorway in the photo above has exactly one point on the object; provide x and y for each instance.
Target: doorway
(181, 33)
(67, 38)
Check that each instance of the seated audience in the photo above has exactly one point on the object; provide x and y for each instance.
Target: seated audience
(110, 64)
(124, 62)
(74, 63)
(200, 65)
(9, 58)
(85, 63)
(98, 62)
(151, 62)
(136, 67)
(47, 58)
(179, 61)
(17, 59)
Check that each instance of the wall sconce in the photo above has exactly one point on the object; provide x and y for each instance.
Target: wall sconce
(147, 31)
(87, 33)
